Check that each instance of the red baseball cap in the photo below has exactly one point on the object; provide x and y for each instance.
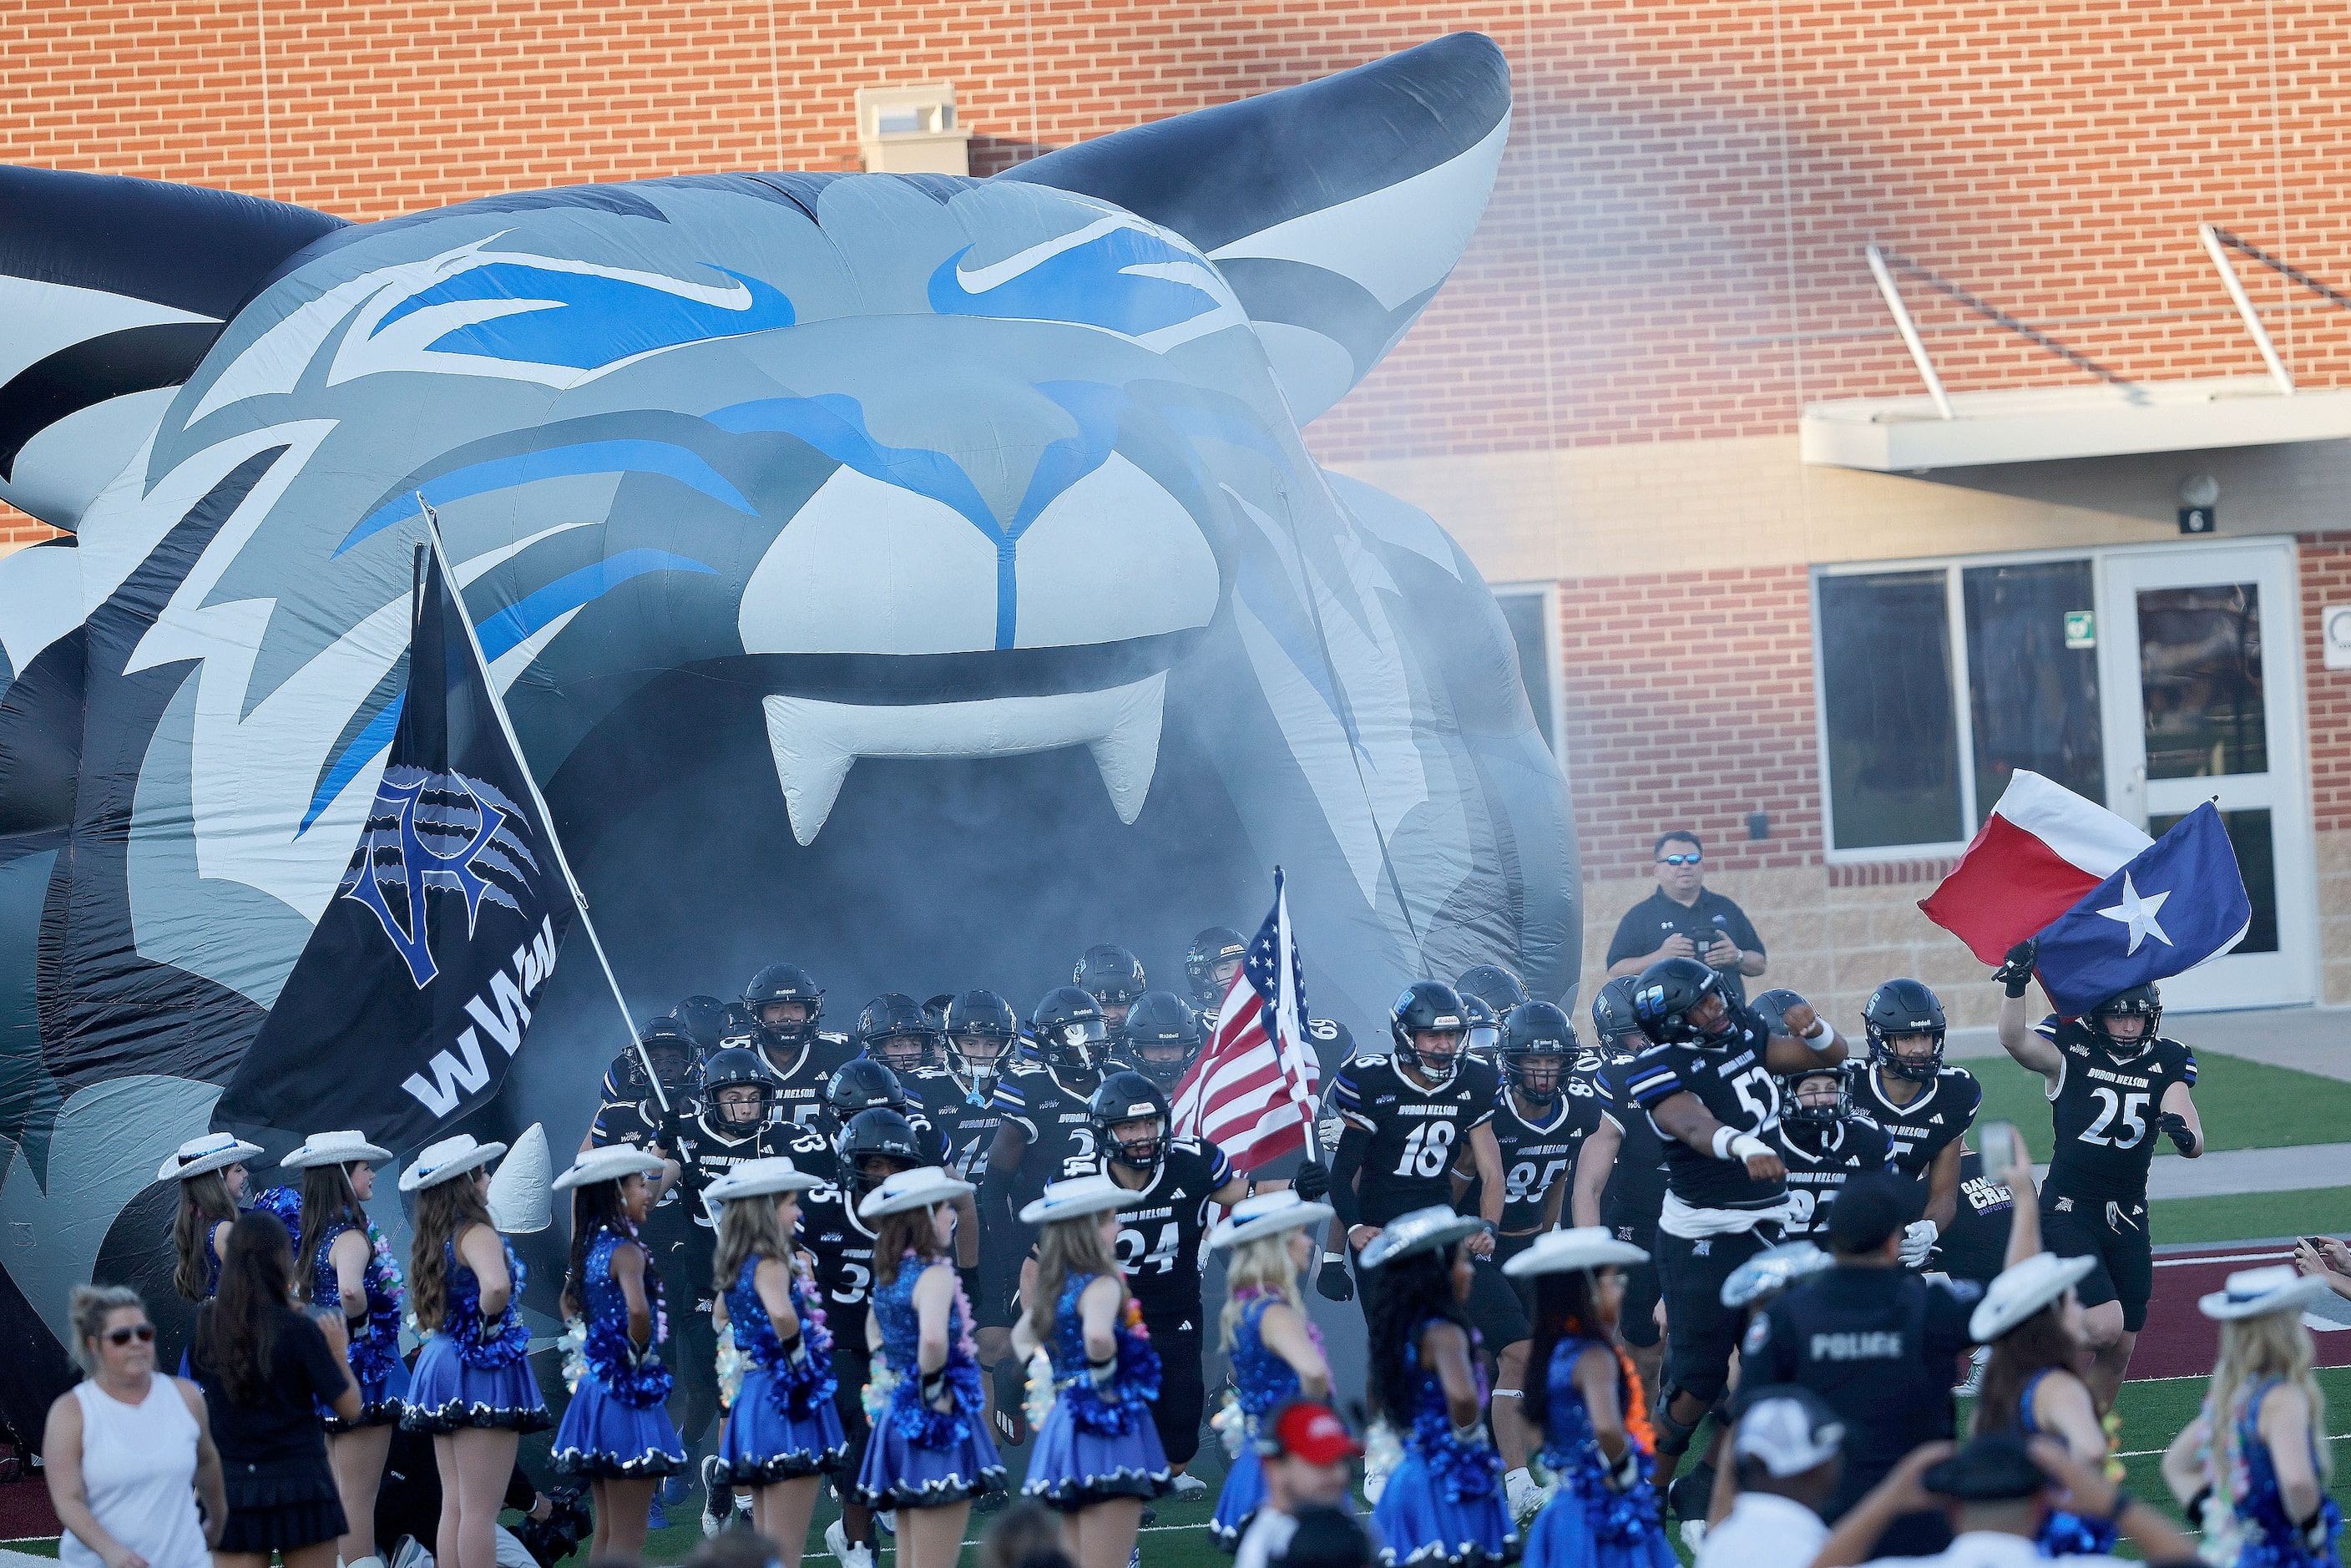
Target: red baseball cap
(1311, 1431)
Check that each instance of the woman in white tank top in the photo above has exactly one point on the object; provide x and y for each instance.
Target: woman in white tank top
(127, 1452)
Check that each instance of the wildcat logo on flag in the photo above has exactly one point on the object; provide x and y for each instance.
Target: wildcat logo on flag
(1253, 1089)
(417, 985)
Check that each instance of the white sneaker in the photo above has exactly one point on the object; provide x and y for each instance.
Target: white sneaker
(1693, 1534)
(1973, 1383)
(836, 1540)
(886, 1522)
(717, 1498)
(1526, 1499)
(1189, 1486)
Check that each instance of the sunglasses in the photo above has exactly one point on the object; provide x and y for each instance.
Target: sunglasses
(145, 1334)
(1690, 859)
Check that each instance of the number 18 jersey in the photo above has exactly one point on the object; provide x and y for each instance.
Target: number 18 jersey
(2105, 1110)
(1417, 1135)
(1736, 1088)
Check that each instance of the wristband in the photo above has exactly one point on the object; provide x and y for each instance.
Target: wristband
(1747, 1145)
(1102, 1371)
(1822, 1036)
(1334, 1257)
(1722, 1136)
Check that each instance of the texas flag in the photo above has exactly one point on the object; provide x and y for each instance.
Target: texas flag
(2110, 907)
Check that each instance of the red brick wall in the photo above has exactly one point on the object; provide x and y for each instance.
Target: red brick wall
(1688, 700)
(2327, 580)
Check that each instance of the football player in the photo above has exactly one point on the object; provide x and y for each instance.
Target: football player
(1210, 964)
(2114, 1085)
(1620, 1177)
(1710, 1084)
(1114, 977)
(784, 1005)
(1823, 1142)
(958, 1098)
(892, 1031)
(1925, 1106)
(1163, 1037)
(1493, 985)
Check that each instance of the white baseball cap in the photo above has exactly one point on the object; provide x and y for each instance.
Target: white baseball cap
(1790, 1429)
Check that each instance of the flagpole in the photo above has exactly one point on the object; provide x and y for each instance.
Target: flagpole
(546, 815)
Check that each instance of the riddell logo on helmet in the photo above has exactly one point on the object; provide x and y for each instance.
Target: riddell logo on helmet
(1445, 1021)
(1144, 1110)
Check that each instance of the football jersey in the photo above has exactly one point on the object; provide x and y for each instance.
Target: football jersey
(1161, 1226)
(1051, 1107)
(967, 1124)
(2104, 1111)
(1417, 1135)
(1737, 1087)
(1917, 1132)
(930, 1142)
(704, 1153)
(1637, 1185)
(1974, 1245)
(1540, 1153)
(805, 1073)
(842, 1244)
(1820, 1161)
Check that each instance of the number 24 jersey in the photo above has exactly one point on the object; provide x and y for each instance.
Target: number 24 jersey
(2105, 1110)
(1417, 1135)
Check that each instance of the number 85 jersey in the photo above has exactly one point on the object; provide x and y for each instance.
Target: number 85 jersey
(1416, 1134)
(2105, 1109)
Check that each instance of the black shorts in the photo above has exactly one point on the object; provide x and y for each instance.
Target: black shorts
(1636, 1320)
(1507, 1247)
(852, 1368)
(1183, 1395)
(2116, 1234)
(1701, 1332)
(1494, 1309)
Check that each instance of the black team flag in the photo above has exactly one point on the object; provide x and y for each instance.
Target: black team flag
(415, 991)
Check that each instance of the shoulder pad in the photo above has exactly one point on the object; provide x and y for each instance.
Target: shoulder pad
(1957, 1072)
(1184, 1145)
(928, 1074)
(829, 1037)
(2048, 1026)
(1029, 1068)
(1860, 1118)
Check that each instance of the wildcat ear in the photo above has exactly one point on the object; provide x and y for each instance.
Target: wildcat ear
(1334, 209)
(110, 291)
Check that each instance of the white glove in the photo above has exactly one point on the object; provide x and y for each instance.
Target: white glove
(1918, 1238)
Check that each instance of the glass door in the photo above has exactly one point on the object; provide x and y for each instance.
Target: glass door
(2199, 650)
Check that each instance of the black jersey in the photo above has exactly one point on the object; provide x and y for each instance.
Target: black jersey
(1920, 1132)
(1735, 1085)
(842, 1244)
(1161, 1226)
(1538, 1153)
(1820, 1161)
(1416, 1134)
(1052, 1107)
(2105, 1110)
(704, 1153)
(1974, 1245)
(967, 1122)
(1637, 1185)
(806, 1072)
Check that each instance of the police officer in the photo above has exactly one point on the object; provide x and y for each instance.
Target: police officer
(1875, 1341)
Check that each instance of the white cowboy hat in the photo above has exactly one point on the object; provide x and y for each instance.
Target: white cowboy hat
(1073, 1199)
(1422, 1230)
(1266, 1214)
(521, 1202)
(1771, 1271)
(2256, 1293)
(611, 1162)
(917, 1188)
(1586, 1246)
(758, 1178)
(449, 1157)
(333, 1149)
(212, 1152)
(2022, 1291)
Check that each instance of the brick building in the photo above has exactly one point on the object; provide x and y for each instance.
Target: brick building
(1766, 586)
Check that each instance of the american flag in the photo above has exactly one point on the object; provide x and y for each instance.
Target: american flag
(1252, 1091)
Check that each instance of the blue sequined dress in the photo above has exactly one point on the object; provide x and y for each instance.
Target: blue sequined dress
(2257, 1533)
(1443, 1504)
(2063, 1534)
(1264, 1382)
(921, 1457)
(471, 1373)
(1585, 1524)
(374, 1358)
(1097, 1444)
(784, 1424)
(617, 1427)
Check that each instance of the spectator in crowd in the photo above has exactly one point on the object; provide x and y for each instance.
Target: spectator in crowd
(1788, 1453)
(2323, 1258)
(126, 1451)
(1683, 920)
(1997, 1492)
(1308, 1457)
(1328, 1538)
(266, 1368)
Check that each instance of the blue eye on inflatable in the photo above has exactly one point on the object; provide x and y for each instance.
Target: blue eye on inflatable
(918, 578)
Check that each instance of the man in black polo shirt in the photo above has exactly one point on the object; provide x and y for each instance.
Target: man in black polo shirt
(1683, 920)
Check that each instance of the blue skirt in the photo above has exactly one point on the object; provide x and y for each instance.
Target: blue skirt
(1468, 1534)
(1071, 1469)
(763, 1445)
(899, 1472)
(1243, 1495)
(383, 1401)
(445, 1394)
(1563, 1537)
(605, 1439)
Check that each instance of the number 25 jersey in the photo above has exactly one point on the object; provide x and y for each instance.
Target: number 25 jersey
(1417, 1135)
(1737, 1090)
(2105, 1110)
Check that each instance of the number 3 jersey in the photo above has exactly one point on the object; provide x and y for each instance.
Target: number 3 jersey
(1415, 1134)
(1732, 1082)
(1161, 1225)
(2105, 1110)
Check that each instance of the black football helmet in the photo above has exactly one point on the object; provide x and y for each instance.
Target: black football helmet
(1111, 976)
(2142, 1000)
(935, 1012)
(1216, 944)
(880, 1133)
(1130, 1096)
(1827, 1114)
(860, 1085)
(1163, 1037)
(1613, 1019)
(1668, 992)
(1070, 1031)
(783, 983)
(736, 1068)
(704, 1019)
(1899, 1008)
(1772, 1007)
(1482, 1037)
(1429, 1006)
(981, 1031)
(673, 1057)
(1492, 985)
(894, 1031)
(1531, 1031)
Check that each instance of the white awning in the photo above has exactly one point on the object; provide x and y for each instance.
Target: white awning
(2034, 425)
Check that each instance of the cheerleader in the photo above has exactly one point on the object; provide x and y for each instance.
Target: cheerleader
(1443, 1503)
(930, 1453)
(1588, 1404)
(343, 1263)
(783, 1431)
(472, 1388)
(211, 1173)
(616, 1431)
(1097, 1457)
(2253, 1468)
(1276, 1351)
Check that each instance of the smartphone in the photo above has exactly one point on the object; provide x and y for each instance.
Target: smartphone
(2001, 1145)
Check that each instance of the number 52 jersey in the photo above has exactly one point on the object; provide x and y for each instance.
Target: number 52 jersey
(1417, 1135)
(1737, 1090)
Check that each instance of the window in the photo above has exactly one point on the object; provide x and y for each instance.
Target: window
(1885, 694)
(2033, 701)
(1529, 614)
